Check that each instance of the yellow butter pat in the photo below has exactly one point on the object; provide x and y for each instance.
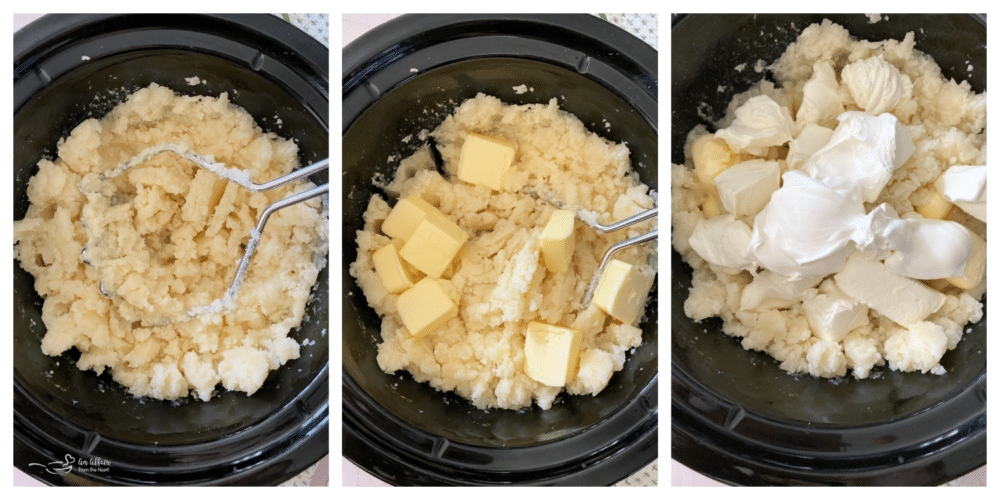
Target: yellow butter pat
(485, 161)
(558, 241)
(622, 291)
(391, 270)
(425, 307)
(975, 270)
(433, 244)
(936, 208)
(711, 156)
(406, 215)
(551, 353)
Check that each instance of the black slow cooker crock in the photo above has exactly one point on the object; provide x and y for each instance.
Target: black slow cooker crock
(406, 76)
(736, 417)
(75, 427)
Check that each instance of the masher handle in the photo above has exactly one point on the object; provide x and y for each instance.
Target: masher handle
(635, 219)
(294, 176)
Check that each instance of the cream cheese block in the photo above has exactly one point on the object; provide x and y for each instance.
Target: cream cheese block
(745, 188)
(900, 299)
(832, 314)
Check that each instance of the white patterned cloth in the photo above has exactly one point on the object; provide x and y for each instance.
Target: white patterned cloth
(643, 26)
(317, 25)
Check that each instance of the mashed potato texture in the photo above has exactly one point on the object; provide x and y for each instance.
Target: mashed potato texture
(824, 73)
(498, 280)
(119, 265)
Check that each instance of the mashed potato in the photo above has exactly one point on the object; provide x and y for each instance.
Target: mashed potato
(164, 238)
(497, 279)
(947, 123)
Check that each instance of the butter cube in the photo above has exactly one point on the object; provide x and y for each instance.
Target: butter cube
(391, 270)
(975, 270)
(485, 161)
(745, 188)
(433, 244)
(935, 208)
(406, 215)
(712, 207)
(622, 292)
(551, 353)
(558, 241)
(710, 156)
(425, 307)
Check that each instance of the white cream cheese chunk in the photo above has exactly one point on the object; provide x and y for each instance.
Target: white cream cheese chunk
(821, 102)
(900, 299)
(760, 123)
(770, 290)
(551, 353)
(965, 186)
(861, 155)
(811, 139)
(876, 86)
(832, 314)
(723, 241)
(746, 187)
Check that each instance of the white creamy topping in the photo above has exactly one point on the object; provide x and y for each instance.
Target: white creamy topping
(965, 186)
(808, 229)
(760, 123)
(746, 187)
(861, 155)
(820, 97)
(832, 314)
(876, 86)
(723, 242)
(928, 248)
(805, 229)
(913, 246)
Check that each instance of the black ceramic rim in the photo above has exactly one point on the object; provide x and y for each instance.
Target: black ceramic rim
(376, 440)
(721, 440)
(272, 451)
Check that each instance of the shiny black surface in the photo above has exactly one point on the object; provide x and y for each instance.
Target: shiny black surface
(405, 432)
(736, 416)
(275, 72)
